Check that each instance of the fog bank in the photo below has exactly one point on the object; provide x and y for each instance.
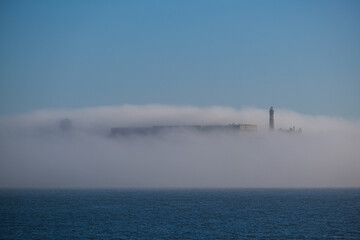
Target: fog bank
(72, 148)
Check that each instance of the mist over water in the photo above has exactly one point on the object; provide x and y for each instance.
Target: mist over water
(73, 148)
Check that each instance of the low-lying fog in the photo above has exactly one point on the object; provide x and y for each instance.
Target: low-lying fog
(41, 149)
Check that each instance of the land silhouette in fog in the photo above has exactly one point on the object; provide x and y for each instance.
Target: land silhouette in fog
(74, 148)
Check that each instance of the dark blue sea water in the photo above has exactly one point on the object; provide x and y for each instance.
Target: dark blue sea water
(180, 214)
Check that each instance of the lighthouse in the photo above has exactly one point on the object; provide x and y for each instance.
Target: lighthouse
(271, 118)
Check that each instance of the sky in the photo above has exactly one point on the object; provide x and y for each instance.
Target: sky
(298, 55)
(104, 64)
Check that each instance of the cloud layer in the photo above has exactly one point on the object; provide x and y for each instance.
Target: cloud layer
(40, 149)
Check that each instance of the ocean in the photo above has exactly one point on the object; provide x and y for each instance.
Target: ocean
(180, 214)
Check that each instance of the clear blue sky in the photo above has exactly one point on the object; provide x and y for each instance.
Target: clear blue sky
(300, 55)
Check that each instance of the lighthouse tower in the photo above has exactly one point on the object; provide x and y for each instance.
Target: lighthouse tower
(271, 119)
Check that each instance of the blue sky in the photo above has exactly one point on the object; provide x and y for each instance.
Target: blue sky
(299, 55)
